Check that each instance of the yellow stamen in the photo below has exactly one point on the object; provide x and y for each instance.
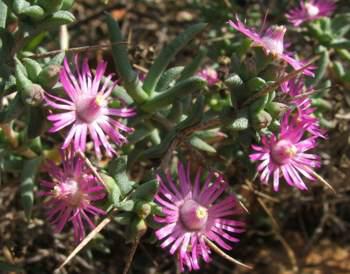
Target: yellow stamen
(291, 151)
(99, 100)
(201, 212)
(56, 191)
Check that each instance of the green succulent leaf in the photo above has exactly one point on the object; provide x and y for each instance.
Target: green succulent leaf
(188, 86)
(167, 54)
(14, 110)
(241, 122)
(201, 145)
(146, 191)
(35, 12)
(19, 5)
(169, 77)
(51, 6)
(3, 15)
(28, 175)
(33, 68)
(193, 67)
(113, 190)
(117, 169)
(122, 64)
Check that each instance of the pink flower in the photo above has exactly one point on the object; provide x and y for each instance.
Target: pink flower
(272, 42)
(210, 75)
(192, 214)
(286, 155)
(304, 117)
(71, 193)
(293, 87)
(86, 109)
(304, 113)
(310, 10)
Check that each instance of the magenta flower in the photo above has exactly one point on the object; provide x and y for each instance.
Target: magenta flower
(192, 215)
(86, 109)
(71, 193)
(210, 75)
(310, 10)
(293, 87)
(303, 115)
(286, 155)
(272, 42)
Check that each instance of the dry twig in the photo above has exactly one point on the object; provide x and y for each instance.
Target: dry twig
(74, 50)
(131, 255)
(84, 242)
(276, 228)
(216, 249)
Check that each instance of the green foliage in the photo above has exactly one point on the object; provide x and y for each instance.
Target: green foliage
(167, 54)
(176, 110)
(128, 75)
(161, 100)
(118, 170)
(28, 175)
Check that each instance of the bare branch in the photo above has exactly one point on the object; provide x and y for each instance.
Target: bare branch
(74, 50)
(215, 248)
(84, 242)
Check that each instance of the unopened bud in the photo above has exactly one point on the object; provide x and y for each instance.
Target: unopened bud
(143, 209)
(138, 228)
(261, 120)
(276, 109)
(33, 95)
(48, 77)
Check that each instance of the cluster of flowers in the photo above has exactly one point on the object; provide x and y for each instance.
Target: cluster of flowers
(286, 154)
(74, 187)
(194, 218)
(191, 215)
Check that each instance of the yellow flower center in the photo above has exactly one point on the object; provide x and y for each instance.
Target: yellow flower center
(201, 212)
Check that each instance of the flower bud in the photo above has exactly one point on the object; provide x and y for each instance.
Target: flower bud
(276, 109)
(138, 229)
(261, 120)
(143, 209)
(49, 75)
(33, 95)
